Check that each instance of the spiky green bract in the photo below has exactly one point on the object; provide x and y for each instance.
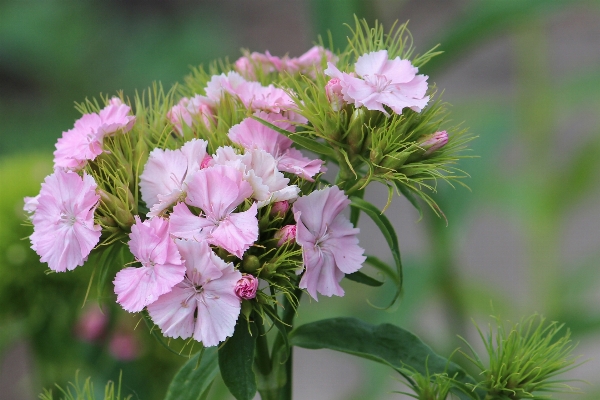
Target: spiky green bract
(85, 391)
(525, 359)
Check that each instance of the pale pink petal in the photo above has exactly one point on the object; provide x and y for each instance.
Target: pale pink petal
(294, 162)
(253, 134)
(173, 312)
(116, 117)
(185, 225)
(371, 63)
(237, 232)
(80, 144)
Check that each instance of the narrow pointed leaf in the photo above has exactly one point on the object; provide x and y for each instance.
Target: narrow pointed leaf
(385, 343)
(193, 380)
(389, 234)
(410, 197)
(236, 358)
(363, 278)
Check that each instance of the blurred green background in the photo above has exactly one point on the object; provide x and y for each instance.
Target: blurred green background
(524, 75)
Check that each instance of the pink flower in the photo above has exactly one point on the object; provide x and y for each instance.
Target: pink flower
(248, 64)
(217, 191)
(64, 233)
(333, 90)
(313, 59)
(220, 84)
(162, 267)
(91, 325)
(115, 117)
(286, 234)
(167, 173)
(84, 141)
(433, 142)
(253, 135)
(31, 204)
(393, 83)
(204, 305)
(124, 346)
(328, 239)
(186, 109)
(246, 287)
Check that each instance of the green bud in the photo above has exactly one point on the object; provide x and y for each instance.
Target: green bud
(355, 135)
(117, 209)
(395, 161)
(246, 308)
(250, 263)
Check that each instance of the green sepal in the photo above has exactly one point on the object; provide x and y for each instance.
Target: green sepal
(236, 358)
(193, 380)
(363, 278)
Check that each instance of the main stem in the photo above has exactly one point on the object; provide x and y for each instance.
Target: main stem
(275, 369)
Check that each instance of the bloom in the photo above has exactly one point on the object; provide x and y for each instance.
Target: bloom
(167, 174)
(217, 191)
(253, 134)
(328, 240)
(162, 267)
(64, 233)
(204, 305)
(393, 83)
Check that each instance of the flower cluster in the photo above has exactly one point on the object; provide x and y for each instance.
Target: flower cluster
(218, 206)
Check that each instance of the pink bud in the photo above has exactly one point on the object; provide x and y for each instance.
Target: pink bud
(433, 142)
(333, 90)
(206, 162)
(115, 101)
(91, 325)
(280, 207)
(286, 234)
(123, 346)
(246, 287)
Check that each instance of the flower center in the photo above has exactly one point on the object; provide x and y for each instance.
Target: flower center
(378, 82)
(67, 219)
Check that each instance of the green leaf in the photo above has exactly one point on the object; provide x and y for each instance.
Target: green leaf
(193, 380)
(389, 234)
(364, 279)
(302, 141)
(236, 358)
(386, 344)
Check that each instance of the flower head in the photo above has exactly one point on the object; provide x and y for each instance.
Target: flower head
(328, 240)
(64, 233)
(246, 287)
(380, 81)
(204, 305)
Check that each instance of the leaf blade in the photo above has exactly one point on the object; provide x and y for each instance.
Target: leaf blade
(192, 381)
(236, 359)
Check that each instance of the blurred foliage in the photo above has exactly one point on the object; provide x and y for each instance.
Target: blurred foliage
(53, 54)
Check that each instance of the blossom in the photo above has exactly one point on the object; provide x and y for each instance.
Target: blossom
(280, 208)
(162, 267)
(333, 90)
(186, 109)
(31, 204)
(217, 191)
(204, 305)
(64, 233)
(246, 287)
(253, 134)
(393, 83)
(84, 142)
(328, 240)
(167, 173)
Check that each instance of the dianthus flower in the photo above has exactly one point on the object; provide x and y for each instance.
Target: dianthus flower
(217, 191)
(329, 244)
(84, 141)
(64, 233)
(167, 173)
(204, 304)
(186, 109)
(380, 81)
(162, 267)
(253, 134)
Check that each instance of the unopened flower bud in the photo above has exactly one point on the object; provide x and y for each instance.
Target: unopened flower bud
(246, 287)
(115, 101)
(333, 90)
(286, 234)
(246, 309)
(355, 135)
(280, 208)
(250, 263)
(433, 142)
